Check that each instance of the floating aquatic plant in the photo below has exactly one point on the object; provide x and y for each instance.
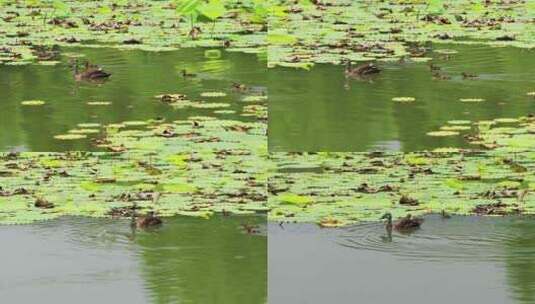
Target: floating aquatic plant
(471, 99)
(32, 103)
(213, 94)
(98, 103)
(443, 133)
(70, 136)
(404, 99)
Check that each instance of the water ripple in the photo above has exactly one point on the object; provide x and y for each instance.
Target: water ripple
(469, 239)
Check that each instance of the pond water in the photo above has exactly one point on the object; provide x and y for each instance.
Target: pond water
(137, 76)
(321, 110)
(87, 260)
(456, 260)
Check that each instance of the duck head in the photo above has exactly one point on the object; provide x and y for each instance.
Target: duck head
(387, 216)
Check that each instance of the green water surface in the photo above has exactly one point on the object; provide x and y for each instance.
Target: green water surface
(137, 76)
(321, 110)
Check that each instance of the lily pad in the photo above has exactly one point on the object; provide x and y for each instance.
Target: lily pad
(70, 136)
(32, 103)
(404, 99)
(442, 133)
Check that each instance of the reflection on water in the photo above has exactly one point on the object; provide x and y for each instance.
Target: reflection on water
(85, 260)
(137, 76)
(204, 262)
(471, 259)
(319, 110)
(476, 239)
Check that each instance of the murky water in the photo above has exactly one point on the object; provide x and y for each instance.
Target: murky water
(461, 259)
(320, 110)
(137, 76)
(87, 260)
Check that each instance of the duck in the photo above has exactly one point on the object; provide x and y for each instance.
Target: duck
(417, 52)
(44, 53)
(406, 224)
(434, 67)
(361, 70)
(90, 72)
(444, 214)
(43, 203)
(185, 74)
(149, 220)
(249, 228)
(195, 32)
(439, 76)
(468, 75)
(239, 87)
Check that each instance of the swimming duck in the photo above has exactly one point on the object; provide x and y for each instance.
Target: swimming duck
(43, 203)
(44, 53)
(239, 86)
(185, 74)
(249, 228)
(439, 76)
(149, 220)
(361, 70)
(195, 32)
(433, 67)
(90, 72)
(468, 75)
(406, 224)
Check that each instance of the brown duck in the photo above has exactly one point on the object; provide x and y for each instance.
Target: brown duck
(149, 220)
(45, 53)
(90, 72)
(406, 224)
(361, 70)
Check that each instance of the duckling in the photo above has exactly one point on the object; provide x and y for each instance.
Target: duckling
(44, 53)
(149, 220)
(406, 224)
(250, 229)
(468, 75)
(195, 32)
(361, 70)
(90, 72)
(439, 76)
(434, 67)
(185, 73)
(521, 195)
(43, 203)
(239, 86)
(417, 52)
